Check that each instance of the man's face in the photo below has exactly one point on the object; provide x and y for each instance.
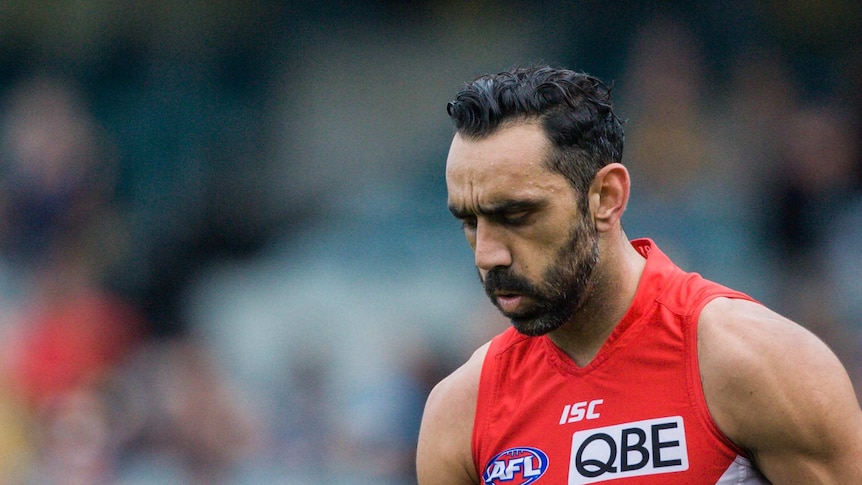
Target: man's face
(535, 249)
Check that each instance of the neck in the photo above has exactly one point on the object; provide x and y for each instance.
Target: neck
(616, 283)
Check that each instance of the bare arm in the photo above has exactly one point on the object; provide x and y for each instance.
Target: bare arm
(444, 453)
(779, 392)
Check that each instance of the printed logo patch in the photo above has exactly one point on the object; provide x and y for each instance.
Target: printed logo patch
(628, 450)
(516, 466)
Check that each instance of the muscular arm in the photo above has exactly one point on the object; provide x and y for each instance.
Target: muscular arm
(779, 392)
(444, 453)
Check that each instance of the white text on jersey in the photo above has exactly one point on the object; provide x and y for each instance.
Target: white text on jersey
(579, 411)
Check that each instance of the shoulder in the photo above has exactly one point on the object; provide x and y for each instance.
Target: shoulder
(780, 393)
(444, 453)
(460, 388)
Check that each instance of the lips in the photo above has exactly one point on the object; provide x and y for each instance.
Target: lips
(507, 290)
(508, 302)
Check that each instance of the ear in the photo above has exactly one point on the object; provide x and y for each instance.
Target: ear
(609, 194)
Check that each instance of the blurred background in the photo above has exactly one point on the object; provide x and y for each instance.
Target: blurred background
(225, 256)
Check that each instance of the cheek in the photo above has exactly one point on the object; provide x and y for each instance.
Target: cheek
(471, 239)
(550, 240)
(534, 260)
(546, 251)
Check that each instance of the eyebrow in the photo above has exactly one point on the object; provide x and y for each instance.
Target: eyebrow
(499, 208)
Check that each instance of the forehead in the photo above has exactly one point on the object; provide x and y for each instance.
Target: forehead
(509, 164)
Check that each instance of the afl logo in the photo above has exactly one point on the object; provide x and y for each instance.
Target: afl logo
(516, 466)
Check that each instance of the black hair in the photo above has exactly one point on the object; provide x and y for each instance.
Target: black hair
(574, 109)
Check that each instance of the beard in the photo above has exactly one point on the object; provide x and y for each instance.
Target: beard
(564, 288)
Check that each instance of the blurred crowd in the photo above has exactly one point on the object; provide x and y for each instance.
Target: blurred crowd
(225, 256)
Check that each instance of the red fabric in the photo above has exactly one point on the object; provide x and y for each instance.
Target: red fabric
(633, 400)
(73, 341)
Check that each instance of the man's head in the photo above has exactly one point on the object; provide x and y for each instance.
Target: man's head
(531, 170)
(574, 109)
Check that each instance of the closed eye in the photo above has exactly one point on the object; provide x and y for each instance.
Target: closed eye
(507, 213)
(515, 218)
(468, 223)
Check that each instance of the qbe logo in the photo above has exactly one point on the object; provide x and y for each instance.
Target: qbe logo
(516, 466)
(628, 450)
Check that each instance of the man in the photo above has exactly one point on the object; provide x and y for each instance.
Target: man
(620, 367)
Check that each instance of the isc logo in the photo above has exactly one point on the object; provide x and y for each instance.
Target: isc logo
(516, 466)
(628, 450)
(573, 413)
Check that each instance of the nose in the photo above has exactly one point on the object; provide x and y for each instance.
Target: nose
(490, 248)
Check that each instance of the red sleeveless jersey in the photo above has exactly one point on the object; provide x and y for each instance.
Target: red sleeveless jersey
(636, 414)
